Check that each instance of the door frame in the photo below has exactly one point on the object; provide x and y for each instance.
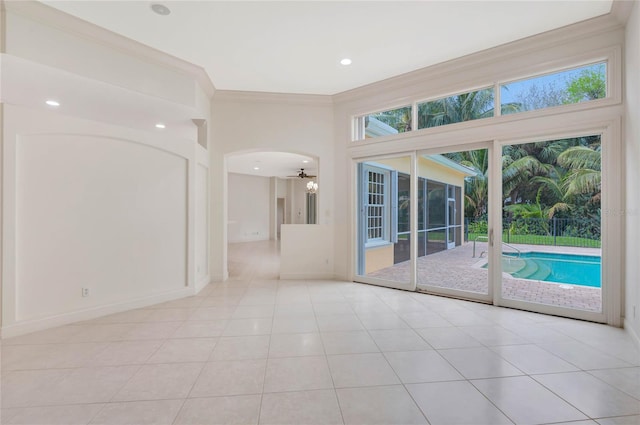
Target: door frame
(467, 295)
(611, 227)
(610, 129)
(358, 223)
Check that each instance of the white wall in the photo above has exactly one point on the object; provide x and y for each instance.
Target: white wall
(305, 252)
(54, 45)
(93, 196)
(632, 154)
(202, 223)
(244, 122)
(249, 208)
(297, 195)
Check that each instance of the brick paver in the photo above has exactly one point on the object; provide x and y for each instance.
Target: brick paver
(458, 269)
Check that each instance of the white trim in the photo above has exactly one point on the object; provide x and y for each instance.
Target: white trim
(405, 286)
(523, 51)
(307, 276)
(612, 207)
(631, 331)
(267, 97)
(443, 96)
(25, 327)
(202, 283)
(605, 121)
(69, 23)
(612, 55)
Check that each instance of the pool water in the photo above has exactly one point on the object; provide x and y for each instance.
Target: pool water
(584, 270)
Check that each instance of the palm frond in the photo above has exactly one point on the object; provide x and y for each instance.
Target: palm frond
(580, 157)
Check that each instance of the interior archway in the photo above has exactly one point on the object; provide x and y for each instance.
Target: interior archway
(265, 189)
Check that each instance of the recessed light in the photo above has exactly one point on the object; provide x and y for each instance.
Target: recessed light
(52, 102)
(345, 61)
(160, 9)
(160, 125)
(256, 168)
(305, 161)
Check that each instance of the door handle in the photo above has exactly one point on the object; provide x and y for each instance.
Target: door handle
(491, 237)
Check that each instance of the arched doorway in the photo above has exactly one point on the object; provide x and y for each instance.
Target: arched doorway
(265, 189)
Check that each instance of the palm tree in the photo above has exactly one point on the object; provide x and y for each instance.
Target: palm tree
(584, 176)
(476, 188)
(453, 109)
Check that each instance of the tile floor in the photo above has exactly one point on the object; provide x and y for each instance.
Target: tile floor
(258, 350)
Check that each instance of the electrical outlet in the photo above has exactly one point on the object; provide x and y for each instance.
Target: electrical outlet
(85, 292)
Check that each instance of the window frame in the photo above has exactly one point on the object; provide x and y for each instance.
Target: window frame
(389, 218)
(611, 56)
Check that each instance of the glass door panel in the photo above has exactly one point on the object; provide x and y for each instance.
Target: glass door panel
(384, 222)
(453, 229)
(551, 240)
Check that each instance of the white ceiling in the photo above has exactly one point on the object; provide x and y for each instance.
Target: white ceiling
(296, 46)
(279, 164)
(290, 47)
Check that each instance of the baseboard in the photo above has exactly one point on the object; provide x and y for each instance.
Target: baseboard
(219, 276)
(306, 276)
(202, 283)
(632, 332)
(29, 326)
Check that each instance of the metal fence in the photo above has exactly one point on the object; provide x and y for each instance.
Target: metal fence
(583, 233)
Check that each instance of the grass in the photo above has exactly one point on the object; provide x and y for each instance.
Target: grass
(545, 240)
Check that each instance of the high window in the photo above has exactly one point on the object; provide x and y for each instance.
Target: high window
(561, 88)
(574, 85)
(449, 110)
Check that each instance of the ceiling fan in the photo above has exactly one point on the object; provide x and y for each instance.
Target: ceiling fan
(303, 175)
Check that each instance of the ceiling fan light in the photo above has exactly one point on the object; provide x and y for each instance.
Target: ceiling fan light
(312, 187)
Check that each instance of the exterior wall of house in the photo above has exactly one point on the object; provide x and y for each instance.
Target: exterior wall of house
(380, 257)
(93, 196)
(632, 154)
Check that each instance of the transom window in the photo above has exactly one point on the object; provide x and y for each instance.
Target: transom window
(570, 86)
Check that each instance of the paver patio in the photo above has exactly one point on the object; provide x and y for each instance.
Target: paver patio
(458, 269)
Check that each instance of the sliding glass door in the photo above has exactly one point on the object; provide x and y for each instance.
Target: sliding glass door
(530, 241)
(453, 237)
(552, 227)
(384, 222)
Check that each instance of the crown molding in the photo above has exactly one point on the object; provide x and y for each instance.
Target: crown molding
(68, 23)
(268, 97)
(621, 10)
(522, 47)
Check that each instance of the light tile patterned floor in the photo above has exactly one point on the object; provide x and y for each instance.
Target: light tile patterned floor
(258, 350)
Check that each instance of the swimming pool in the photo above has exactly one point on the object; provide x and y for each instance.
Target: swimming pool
(584, 270)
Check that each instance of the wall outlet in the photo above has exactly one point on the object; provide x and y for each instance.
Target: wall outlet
(85, 292)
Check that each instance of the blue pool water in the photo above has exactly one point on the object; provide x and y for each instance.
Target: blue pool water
(582, 270)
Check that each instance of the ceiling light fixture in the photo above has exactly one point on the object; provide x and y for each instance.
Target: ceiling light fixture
(160, 9)
(161, 126)
(345, 61)
(305, 161)
(52, 102)
(256, 168)
(312, 187)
